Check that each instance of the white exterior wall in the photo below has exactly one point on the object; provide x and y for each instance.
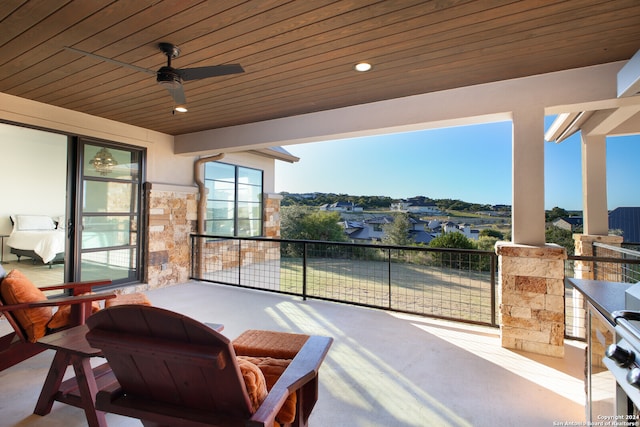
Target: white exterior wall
(163, 166)
(37, 159)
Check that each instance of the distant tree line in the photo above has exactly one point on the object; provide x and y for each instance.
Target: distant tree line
(319, 199)
(383, 202)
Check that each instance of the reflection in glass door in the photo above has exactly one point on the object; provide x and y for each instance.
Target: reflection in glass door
(108, 217)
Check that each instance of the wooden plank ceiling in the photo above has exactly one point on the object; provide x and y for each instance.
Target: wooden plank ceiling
(298, 55)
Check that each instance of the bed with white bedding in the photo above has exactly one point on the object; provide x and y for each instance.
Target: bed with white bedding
(37, 237)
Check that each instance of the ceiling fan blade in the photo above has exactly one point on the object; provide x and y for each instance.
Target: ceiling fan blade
(177, 93)
(113, 61)
(211, 71)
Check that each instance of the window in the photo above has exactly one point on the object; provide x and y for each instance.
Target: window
(234, 200)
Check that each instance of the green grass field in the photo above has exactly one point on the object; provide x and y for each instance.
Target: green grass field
(436, 291)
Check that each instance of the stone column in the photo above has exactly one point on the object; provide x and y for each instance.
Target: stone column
(532, 297)
(271, 222)
(172, 214)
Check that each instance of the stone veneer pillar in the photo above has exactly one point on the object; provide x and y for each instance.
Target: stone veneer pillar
(172, 215)
(532, 297)
(271, 221)
(584, 247)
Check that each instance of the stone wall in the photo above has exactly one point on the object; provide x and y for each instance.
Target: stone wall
(225, 254)
(172, 215)
(532, 297)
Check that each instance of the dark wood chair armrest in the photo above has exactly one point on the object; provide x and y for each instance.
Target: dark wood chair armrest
(78, 287)
(302, 369)
(56, 302)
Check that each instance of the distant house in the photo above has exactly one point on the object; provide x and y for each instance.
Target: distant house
(341, 207)
(419, 232)
(465, 229)
(368, 230)
(414, 208)
(449, 227)
(626, 219)
(351, 226)
(568, 223)
(435, 226)
(372, 229)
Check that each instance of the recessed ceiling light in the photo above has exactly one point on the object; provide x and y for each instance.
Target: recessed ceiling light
(363, 66)
(181, 109)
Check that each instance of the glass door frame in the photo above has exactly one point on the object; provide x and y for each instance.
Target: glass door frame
(75, 202)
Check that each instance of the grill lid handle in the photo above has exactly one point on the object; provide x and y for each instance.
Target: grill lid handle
(626, 314)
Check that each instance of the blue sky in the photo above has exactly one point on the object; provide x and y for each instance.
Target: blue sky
(470, 163)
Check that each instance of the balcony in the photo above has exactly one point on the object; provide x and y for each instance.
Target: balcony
(384, 369)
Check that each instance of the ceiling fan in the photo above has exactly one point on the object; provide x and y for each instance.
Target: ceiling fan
(171, 78)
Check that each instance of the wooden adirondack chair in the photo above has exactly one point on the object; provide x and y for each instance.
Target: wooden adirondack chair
(174, 371)
(19, 344)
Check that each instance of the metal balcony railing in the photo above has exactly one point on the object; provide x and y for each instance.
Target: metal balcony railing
(627, 271)
(608, 263)
(451, 284)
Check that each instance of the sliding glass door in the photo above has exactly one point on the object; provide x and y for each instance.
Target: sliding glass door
(107, 220)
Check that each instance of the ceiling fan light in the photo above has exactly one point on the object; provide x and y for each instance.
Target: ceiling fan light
(362, 66)
(181, 109)
(169, 84)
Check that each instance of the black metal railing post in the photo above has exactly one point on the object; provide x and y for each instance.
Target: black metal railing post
(494, 306)
(389, 273)
(193, 256)
(239, 262)
(304, 271)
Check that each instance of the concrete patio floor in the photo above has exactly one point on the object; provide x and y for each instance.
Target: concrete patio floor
(384, 369)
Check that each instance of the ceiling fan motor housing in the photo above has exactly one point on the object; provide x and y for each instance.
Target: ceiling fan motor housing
(169, 77)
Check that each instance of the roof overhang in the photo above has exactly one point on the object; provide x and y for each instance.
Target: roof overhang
(277, 153)
(620, 116)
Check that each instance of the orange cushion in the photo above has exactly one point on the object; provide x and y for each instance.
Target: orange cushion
(122, 299)
(272, 369)
(16, 288)
(62, 317)
(279, 345)
(254, 382)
